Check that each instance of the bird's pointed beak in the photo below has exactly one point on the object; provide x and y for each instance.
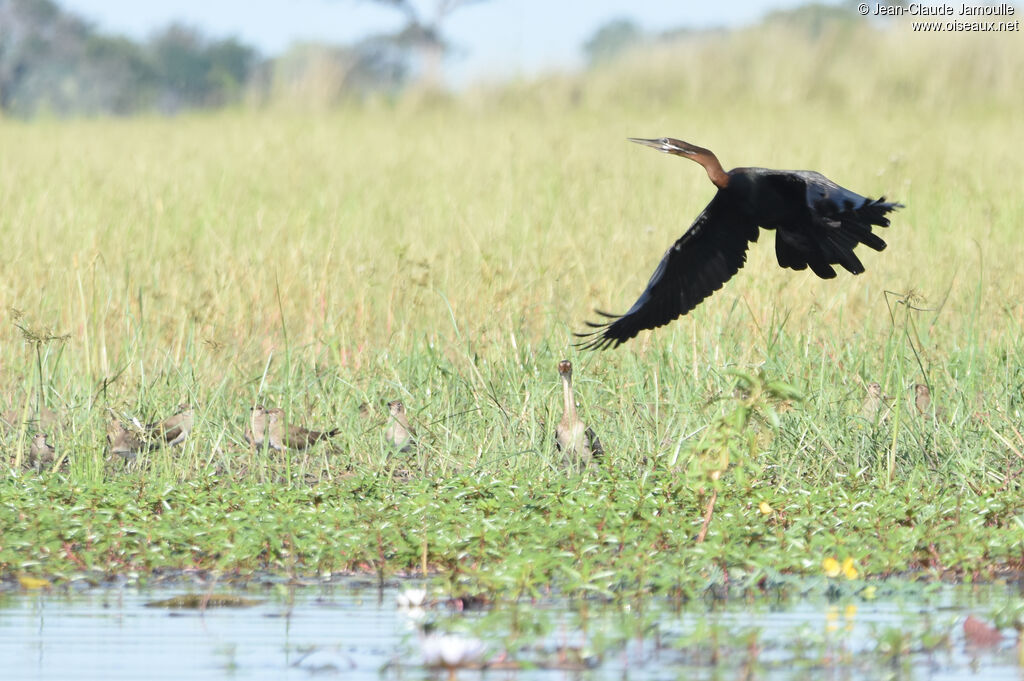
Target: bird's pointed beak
(665, 144)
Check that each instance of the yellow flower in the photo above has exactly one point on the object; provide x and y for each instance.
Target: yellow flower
(849, 569)
(831, 567)
(28, 582)
(850, 611)
(869, 592)
(764, 508)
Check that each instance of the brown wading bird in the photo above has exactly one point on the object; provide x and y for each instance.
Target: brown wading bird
(256, 429)
(923, 403)
(578, 443)
(399, 432)
(173, 430)
(40, 452)
(817, 223)
(922, 400)
(292, 436)
(123, 442)
(876, 406)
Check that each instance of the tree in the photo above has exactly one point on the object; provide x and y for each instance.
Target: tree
(196, 72)
(422, 34)
(611, 40)
(53, 61)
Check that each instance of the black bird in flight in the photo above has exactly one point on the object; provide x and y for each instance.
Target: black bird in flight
(817, 224)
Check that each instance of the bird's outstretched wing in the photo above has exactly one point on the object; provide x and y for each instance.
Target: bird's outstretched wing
(837, 220)
(711, 251)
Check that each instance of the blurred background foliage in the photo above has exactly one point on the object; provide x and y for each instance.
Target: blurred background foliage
(55, 63)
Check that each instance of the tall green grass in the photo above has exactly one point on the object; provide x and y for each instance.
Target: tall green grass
(442, 250)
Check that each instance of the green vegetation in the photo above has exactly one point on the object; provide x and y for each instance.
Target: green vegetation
(607, 534)
(440, 251)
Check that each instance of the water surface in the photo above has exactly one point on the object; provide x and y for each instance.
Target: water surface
(353, 630)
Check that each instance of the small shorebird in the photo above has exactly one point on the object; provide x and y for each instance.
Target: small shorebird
(399, 432)
(123, 442)
(256, 429)
(922, 400)
(175, 429)
(923, 403)
(578, 443)
(40, 452)
(292, 436)
(876, 406)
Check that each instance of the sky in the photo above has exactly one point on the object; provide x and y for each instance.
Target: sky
(494, 38)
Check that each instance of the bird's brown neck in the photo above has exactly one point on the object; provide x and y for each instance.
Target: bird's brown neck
(716, 172)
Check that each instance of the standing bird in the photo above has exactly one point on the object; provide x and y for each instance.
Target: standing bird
(40, 452)
(123, 442)
(173, 430)
(817, 223)
(923, 400)
(876, 406)
(256, 429)
(923, 403)
(399, 432)
(292, 436)
(578, 443)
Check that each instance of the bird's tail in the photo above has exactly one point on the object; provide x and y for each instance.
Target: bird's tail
(840, 231)
(853, 226)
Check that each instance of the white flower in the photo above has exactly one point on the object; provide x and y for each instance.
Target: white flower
(321, 660)
(411, 598)
(450, 650)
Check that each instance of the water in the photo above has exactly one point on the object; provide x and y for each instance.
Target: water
(354, 631)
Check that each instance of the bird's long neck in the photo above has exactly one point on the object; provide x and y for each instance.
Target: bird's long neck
(568, 401)
(400, 419)
(716, 172)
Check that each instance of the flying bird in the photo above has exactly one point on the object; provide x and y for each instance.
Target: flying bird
(817, 223)
(578, 443)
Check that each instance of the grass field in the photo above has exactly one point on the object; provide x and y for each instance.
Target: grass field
(441, 250)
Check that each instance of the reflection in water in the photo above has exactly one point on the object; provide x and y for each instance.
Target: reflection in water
(356, 632)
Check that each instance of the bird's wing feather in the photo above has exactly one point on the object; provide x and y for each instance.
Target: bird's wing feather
(711, 251)
(835, 222)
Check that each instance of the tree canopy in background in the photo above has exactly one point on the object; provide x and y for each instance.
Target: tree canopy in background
(53, 62)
